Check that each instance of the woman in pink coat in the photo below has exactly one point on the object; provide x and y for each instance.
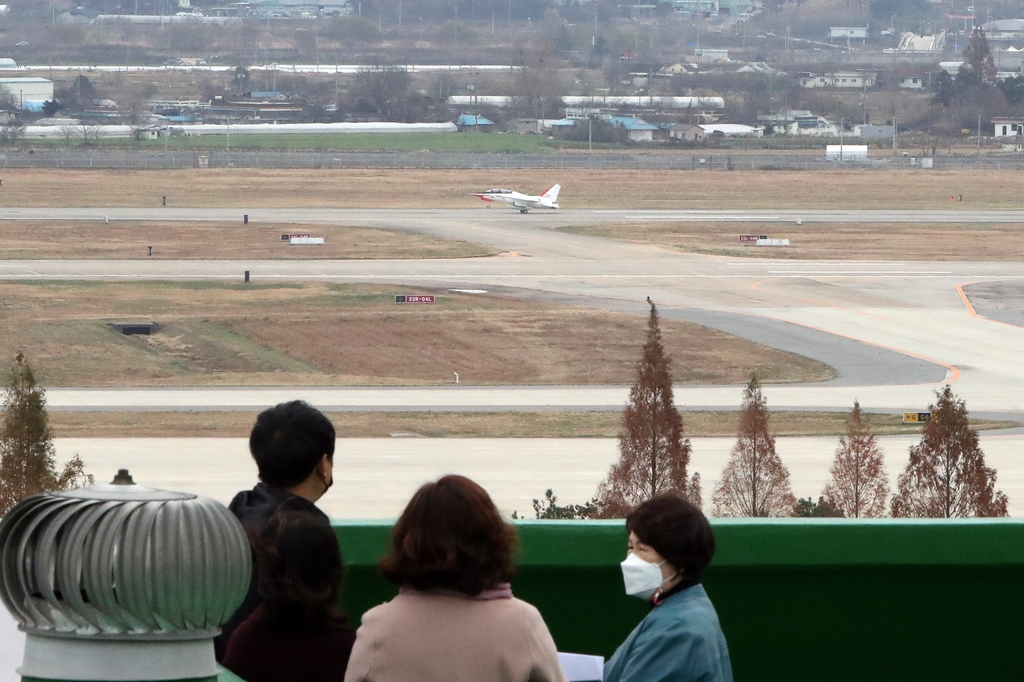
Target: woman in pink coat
(454, 618)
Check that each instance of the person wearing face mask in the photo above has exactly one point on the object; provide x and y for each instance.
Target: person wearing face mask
(293, 446)
(680, 640)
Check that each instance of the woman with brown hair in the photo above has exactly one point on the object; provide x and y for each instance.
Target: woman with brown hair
(454, 618)
(298, 634)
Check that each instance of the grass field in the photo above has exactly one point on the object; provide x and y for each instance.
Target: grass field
(828, 241)
(462, 424)
(254, 188)
(337, 334)
(184, 240)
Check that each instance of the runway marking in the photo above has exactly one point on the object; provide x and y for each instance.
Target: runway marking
(970, 308)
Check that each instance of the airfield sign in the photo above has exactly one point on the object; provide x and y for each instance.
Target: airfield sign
(401, 298)
(916, 417)
(752, 238)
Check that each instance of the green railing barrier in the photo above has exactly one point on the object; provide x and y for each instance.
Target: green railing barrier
(833, 599)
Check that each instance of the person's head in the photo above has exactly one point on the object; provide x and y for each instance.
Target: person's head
(299, 572)
(293, 445)
(450, 536)
(670, 529)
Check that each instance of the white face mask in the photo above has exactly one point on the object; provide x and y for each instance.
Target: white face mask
(642, 578)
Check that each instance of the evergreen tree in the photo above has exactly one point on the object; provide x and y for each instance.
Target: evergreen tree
(27, 458)
(978, 66)
(653, 453)
(859, 485)
(755, 482)
(946, 475)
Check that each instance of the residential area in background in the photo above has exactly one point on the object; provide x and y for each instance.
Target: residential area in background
(683, 73)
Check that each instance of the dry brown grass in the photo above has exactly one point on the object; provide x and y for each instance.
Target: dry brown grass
(185, 240)
(460, 424)
(323, 334)
(839, 241)
(254, 188)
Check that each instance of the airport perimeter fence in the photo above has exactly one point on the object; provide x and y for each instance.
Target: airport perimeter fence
(713, 160)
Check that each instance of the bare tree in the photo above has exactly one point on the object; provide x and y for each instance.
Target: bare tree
(859, 485)
(68, 131)
(946, 475)
(386, 88)
(27, 457)
(755, 482)
(653, 453)
(91, 133)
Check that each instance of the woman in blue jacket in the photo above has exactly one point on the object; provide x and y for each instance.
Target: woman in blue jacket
(680, 640)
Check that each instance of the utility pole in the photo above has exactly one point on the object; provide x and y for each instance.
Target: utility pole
(894, 147)
(979, 134)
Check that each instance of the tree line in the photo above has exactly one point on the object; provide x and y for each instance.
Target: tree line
(946, 475)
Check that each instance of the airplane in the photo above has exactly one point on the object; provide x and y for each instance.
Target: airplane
(523, 202)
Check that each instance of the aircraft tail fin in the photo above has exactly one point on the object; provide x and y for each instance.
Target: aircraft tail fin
(552, 193)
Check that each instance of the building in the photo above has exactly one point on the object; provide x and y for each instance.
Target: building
(525, 126)
(848, 33)
(1007, 127)
(30, 93)
(687, 132)
(869, 132)
(473, 123)
(912, 82)
(1004, 29)
(703, 55)
(798, 122)
(637, 129)
(839, 79)
(705, 8)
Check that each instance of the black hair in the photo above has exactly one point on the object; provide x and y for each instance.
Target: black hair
(287, 442)
(677, 530)
(299, 573)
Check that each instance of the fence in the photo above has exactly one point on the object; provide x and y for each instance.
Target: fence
(684, 160)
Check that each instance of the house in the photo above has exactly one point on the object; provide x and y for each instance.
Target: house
(839, 79)
(471, 122)
(1004, 29)
(637, 129)
(912, 82)
(1007, 127)
(687, 133)
(758, 68)
(677, 69)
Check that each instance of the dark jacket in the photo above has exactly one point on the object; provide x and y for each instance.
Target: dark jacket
(254, 509)
(259, 654)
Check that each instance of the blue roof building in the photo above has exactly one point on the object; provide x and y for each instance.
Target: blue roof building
(468, 122)
(638, 129)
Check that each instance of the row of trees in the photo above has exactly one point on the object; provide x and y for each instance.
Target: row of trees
(946, 475)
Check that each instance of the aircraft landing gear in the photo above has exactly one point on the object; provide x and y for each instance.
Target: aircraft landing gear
(523, 211)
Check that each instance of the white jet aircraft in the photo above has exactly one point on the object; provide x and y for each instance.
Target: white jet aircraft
(523, 202)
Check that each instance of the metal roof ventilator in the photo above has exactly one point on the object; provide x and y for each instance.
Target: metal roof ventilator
(121, 582)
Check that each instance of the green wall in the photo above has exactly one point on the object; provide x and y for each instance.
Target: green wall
(832, 599)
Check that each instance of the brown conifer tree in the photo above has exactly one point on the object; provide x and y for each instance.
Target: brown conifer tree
(27, 463)
(946, 475)
(653, 453)
(755, 482)
(859, 485)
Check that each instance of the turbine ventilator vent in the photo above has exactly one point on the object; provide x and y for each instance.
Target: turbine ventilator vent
(121, 582)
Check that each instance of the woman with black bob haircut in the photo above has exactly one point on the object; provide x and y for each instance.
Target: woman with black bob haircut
(670, 544)
(298, 634)
(454, 619)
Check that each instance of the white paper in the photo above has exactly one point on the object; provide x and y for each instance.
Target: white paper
(582, 667)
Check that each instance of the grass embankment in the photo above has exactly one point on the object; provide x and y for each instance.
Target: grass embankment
(215, 333)
(461, 424)
(71, 240)
(450, 143)
(617, 189)
(829, 241)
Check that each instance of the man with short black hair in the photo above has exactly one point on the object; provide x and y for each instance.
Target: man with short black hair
(293, 446)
